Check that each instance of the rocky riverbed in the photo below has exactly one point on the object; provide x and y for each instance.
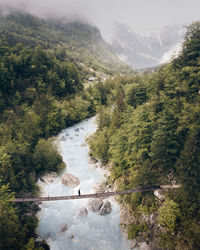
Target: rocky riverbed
(78, 224)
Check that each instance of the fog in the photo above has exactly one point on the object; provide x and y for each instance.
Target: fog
(141, 15)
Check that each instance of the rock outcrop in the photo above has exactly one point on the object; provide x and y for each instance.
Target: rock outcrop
(63, 138)
(82, 212)
(145, 239)
(48, 178)
(95, 204)
(63, 229)
(70, 180)
(99, 206)
(93, 160)
(160, 194)
(105, 208)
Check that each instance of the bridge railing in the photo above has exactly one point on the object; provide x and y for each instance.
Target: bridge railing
(96, 195)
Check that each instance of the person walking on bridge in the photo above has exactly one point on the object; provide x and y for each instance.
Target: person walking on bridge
(79, 192)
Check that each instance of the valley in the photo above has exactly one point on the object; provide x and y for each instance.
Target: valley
(55, 74)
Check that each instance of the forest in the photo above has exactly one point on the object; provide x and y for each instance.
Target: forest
(78, 41)
(151, 136)
(41, 93)
(148, 131)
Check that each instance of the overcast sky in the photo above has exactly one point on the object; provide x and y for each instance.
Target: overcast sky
(139, 14)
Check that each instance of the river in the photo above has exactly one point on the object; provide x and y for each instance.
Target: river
(90, 232)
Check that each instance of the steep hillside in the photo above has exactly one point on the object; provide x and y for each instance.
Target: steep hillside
(151, 136)
(79, 41)
(41, 93)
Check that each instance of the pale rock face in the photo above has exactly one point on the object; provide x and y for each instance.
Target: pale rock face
(159, 195)
(70, 180)
(143, 246)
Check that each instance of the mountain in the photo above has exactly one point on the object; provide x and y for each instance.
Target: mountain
(77, 40)
(144, 50)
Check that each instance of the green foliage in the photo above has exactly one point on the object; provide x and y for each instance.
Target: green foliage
(191, 47)
(99, 145)
(189, 162)
(166, 240)
(31, 245)
(165, 145)
(32, 72)
(9, 221)
(40, 94)
(134, 229)
(77, 41)
(168, 215)
(137, 95)
(46, 157)
(135, 200)
(103, 118)
(152, 138)
(148, 124)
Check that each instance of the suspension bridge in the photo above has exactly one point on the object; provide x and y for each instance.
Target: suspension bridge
(95, 195)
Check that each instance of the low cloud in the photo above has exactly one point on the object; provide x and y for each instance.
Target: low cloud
(139, 14)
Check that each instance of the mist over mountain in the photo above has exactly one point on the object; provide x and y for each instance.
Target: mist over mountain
(138, 14)
(78, 40)
(59, 65)
(147, 49)
(138, 50)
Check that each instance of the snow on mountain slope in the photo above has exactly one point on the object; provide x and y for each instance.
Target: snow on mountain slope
(173, 52)
(147, 49)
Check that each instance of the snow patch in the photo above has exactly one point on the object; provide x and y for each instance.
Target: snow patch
(123, 57)
(172, 53)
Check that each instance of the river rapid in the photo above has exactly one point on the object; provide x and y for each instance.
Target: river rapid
(59, 224)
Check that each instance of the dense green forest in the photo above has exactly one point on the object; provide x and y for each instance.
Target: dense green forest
(80, 42)
(148, 130)
(41, 92)
(38, 97)
(151, 136)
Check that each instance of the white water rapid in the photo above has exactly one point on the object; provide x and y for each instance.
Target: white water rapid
(59, 224)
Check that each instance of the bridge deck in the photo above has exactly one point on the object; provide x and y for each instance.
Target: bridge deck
(96, 195)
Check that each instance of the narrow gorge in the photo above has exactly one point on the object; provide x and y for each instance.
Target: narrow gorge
(78, 224)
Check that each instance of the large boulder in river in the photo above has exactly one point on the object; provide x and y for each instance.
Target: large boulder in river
(95, 204)
(82, 212)
(63, 229)
(48, 178)
(99, 206)
(105, 208)
(70, 180)
(63, 138)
